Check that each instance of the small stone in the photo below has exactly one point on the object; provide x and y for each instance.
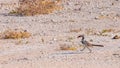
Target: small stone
(116, 37)
(91, 40)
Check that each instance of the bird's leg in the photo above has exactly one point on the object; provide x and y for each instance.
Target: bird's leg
(83, 48)
(89, 49)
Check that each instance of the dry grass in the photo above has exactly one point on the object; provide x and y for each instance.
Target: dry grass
(21, 42)
(108, 30)
(67, 47)
(89, 31)
(15, 34)
(75, 30)
(104, 32)
(34, 7)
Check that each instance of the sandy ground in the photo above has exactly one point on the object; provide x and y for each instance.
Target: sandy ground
(87, 17)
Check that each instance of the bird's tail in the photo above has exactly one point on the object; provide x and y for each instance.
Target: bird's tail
(98, 45)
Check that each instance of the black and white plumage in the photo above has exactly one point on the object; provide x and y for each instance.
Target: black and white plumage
(86, 44)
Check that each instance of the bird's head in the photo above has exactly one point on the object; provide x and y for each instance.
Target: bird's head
(80, 36)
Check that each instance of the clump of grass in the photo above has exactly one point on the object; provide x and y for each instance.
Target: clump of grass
(67, 47)
(19, 42)
(13, 12)
(89, 31)
(107, 30)
(75, 30)
(15, 34)
(34, 7)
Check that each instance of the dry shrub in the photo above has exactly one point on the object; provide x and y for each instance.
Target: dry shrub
(75, 30)
(67, 47)
(107, 30)
(34, 7)
(15, 34)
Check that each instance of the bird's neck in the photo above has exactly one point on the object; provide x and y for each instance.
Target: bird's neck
(83, 38)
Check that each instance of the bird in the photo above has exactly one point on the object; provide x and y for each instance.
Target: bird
(86, 44)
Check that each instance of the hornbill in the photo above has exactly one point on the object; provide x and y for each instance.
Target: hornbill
(86, 44)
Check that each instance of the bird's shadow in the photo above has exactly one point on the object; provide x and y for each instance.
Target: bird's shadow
(7, 14)
(69, 53)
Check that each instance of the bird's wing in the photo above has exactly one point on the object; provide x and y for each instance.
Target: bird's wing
(87, 43)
